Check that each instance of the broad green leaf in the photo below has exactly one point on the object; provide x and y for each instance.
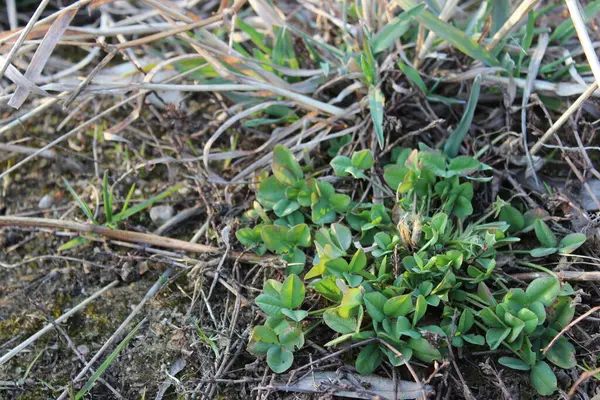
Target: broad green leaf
(353, 280)
(341, 165)
(561, 313)
(562, 353)
(394, 175)
(328, 288)
(424, 350)
(544, 234)
(358, 262)
(543, 379)
(375, 302)
(539, 310)
(513, 217)
(514, 363)
(285, 167)
(466, 321)
(249, 237)
(368, 359)
(420, 309)
(398, 306)
(352, 298)
(275, 238)
(543, 251)
(295, 315)
(394, 30)
(457, 136)
(464, 165)
(394, 358)
(362, 159)
(450, 34)
(292, 338)
(285, 207)
(338, 323)
(529, 318)
(271, 305)
(299, 235)
(265, 334)
(341, 235)
(474, 339)
(543, 290)
(376, 104)
(279, 359)
(495, 336)
(292, 292)
(270, 191)
(571, 242)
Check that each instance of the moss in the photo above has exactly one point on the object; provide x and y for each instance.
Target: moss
(19, 325)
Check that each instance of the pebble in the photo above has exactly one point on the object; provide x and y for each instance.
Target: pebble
(161, 214)
(46, 202)
(83, 350)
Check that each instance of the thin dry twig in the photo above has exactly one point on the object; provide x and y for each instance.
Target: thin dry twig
(127, 236)
(571, 324)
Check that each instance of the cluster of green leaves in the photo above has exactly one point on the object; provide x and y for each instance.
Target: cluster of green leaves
(281, 334)
(382, 270)
(525, 322)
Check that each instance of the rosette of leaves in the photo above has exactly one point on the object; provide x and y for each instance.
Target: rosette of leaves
(281, 334)
(382, 274)
(525, 322)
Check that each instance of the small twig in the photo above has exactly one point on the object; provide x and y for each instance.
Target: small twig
(410, 368)
(564, 118)
(127, 236)
(576, 276)
(566, 328)
(584, 377)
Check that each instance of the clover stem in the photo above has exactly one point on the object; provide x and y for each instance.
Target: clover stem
(538, 267)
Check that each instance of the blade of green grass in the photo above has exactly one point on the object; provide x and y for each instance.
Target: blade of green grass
(458, 135)
(128, 198)
(450, 34)
(107, 196)
(414, 76)
(395, 29)
(82, 204)
(255, 37)
(144, 204)
(376, 103)
(566, 30)
(88, 385)
(500, 14)
(73, 243)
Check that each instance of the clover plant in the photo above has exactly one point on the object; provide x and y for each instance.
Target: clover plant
(417, 272)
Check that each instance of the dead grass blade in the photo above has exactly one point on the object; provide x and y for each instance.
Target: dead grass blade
(41, 7)
(509, 25)
(41, 56)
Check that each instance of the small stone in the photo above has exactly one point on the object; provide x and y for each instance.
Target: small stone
(126, 271)
(161, 214)
(83, 350)
(46, 202)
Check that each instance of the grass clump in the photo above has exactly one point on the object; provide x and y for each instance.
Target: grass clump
(417, 271)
